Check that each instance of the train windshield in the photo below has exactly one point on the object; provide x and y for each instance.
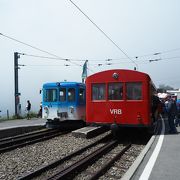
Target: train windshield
(50, 95)
(134, 91)
(82, 95)
(71, 94)
(62, 94)
(115, 91)
(98, 91)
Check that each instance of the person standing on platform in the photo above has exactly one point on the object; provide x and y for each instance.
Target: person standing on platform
(156, 103)
(177, 120)
(28, 108)
(172, 112)
(39, 115)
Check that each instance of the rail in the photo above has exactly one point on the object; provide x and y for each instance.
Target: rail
(8, 144)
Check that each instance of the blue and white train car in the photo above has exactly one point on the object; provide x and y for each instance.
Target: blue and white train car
(64, 104)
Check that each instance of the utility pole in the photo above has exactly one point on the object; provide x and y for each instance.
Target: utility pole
(16, 93)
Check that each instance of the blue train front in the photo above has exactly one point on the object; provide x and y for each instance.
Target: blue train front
(63, 104)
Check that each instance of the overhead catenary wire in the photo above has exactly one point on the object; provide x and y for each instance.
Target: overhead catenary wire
(112, 63)
(107, 60)
(64, 59)
(158, 53)
(34, 47)
(26, 44)
(45, 57)
(71, 59)
(103, 32)
(52, 65)
(161, 59)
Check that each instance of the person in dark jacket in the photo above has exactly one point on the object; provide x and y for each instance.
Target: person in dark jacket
(155, 104)
(28, 108)
(177, 120)
(39, 115)
(172, 112)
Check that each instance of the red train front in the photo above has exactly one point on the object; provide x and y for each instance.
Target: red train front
(121, 97)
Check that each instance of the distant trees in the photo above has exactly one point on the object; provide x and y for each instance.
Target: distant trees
(163, 88)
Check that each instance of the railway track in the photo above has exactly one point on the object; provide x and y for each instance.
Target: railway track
(75, 162)
(83, 163)
(18, 141)
(58, 162)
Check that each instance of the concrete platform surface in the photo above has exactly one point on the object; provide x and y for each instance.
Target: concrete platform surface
(6, 124)
(19, 126)
(162, 159)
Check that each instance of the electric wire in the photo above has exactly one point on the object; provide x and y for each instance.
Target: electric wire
(111, 64)
(21, 42)
(161, 59)
(34, 47)
(103, 33)
(158, 53)
(46, 65)
(109, 60)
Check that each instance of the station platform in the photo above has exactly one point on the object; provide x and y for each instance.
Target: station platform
(160, 159)
(19, 126)
(7, 124)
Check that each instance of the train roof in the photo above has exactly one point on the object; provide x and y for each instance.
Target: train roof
(123, 73)
(63, 84)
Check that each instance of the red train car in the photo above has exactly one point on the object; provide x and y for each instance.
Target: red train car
(119, 97)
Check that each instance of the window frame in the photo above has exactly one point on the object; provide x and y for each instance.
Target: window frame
(141, 91)
(50, 92)
(64, 95)
(82, 98)
(120, 93)
(72, 95)
(97, 85)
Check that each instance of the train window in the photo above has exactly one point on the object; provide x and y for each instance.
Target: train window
(134, 91)
(62, 94)
(115, 91)
(81, 95)
(98, 92)
(50, 95)
(71, 94)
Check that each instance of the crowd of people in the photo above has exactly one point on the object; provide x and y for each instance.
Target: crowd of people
(172, 114)
(169, 108)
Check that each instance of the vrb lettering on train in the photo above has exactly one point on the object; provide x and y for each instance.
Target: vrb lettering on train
(115, 111)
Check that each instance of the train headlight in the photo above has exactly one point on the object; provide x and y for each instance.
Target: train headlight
(115, 75)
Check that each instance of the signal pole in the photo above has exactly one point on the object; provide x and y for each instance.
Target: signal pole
(16, 93)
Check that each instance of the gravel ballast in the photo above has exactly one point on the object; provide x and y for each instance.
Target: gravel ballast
(22, 160)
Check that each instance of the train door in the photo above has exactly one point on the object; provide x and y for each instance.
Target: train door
(71, 103)
(62, 103)
(82, 96)
(81, 103)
